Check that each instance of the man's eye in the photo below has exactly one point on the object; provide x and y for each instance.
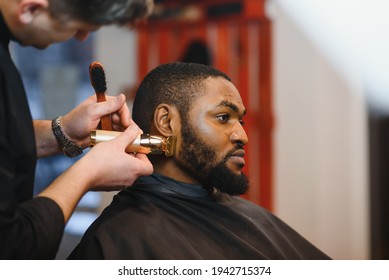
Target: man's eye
(223, 118)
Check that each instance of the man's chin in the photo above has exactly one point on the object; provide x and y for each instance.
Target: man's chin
(227, 181)
(235, 169)
(40, 47)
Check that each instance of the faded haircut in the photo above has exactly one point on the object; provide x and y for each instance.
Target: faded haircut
(175, 83)
(101, 12)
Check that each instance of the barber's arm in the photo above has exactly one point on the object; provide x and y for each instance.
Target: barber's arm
(106, 167)
(78, 123)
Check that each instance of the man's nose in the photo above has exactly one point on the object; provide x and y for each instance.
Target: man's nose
(81, 35)
(239, 135)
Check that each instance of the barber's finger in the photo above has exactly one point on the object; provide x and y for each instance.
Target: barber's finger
(133, 123)
(115, 118)
(112, 104)
(124, 113)
(121, 119)
(127, 136)
(146, 168)
(122, 116)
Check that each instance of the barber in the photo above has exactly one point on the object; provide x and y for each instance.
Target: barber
(32, 228)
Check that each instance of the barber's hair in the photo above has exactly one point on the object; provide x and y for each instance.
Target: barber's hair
(101, 12)
(175, 83)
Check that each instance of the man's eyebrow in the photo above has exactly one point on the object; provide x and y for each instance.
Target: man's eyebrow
(230, 105)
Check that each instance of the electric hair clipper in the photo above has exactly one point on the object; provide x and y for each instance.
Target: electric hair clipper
(144, 143)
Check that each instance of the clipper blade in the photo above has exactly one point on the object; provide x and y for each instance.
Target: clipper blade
(171, 143)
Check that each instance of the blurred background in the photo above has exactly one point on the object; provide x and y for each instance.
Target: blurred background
(312, 74)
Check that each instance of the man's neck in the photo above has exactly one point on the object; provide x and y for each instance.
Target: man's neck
(168, 167)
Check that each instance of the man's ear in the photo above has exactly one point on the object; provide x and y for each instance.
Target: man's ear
(29, 8)
(166, 120)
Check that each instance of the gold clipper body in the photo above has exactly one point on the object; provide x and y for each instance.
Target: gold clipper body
(144, 143)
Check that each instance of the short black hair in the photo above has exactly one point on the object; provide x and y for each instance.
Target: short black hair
(175, 83)
(101, 12)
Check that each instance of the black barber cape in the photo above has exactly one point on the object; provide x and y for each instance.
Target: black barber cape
(160, 218)
(29, 229)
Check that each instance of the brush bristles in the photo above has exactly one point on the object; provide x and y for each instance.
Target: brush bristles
(97, 77)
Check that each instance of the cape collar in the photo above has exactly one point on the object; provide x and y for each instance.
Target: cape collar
(165, 184)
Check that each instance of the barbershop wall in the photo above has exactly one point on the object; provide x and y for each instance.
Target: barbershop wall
(321, 171)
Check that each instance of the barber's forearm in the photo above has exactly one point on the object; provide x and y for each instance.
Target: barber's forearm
(46, 144)
(69, 188)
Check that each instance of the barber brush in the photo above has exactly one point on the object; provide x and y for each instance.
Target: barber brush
(144, 143)
(97, 78)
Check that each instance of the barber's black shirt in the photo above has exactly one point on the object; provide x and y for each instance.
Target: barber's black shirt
(29, 228)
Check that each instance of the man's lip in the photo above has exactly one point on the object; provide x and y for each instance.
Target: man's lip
(237, 158)
(238, 153)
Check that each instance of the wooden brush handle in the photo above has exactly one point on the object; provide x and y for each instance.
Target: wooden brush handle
(105, 121)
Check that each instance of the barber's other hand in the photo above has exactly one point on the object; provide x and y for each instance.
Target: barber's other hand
(79, 122)
(111, 168)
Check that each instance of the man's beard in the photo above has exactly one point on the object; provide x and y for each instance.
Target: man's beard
(201, 160)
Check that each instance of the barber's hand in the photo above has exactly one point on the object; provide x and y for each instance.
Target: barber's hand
(106, 167)
(111, 168)
(79, 122)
